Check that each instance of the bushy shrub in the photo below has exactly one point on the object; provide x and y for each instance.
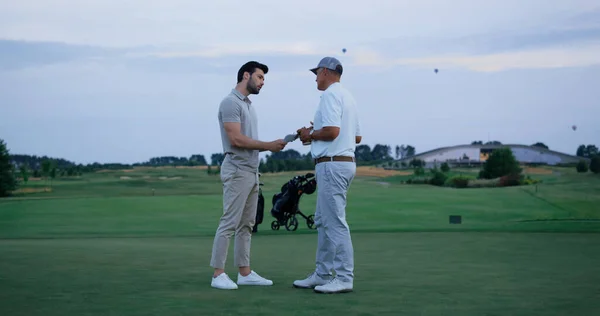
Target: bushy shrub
(438, 178)
(528, 181)
(418, 181)
(509, 180)
(483, 183)
(419, 171)
(457, 182)
(595, 164)
(582, 166)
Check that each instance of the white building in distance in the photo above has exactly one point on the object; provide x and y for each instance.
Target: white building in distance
(478, 154)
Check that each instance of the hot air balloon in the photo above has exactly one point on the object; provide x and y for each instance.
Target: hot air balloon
(436, 71)
(343, 50)
(574, 127)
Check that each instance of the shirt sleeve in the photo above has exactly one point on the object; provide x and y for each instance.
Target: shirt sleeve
(230, 111)
(331, 111)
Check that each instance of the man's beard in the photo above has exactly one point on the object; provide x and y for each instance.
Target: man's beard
(252, 88)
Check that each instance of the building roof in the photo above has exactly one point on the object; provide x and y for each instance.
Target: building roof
(470, 146)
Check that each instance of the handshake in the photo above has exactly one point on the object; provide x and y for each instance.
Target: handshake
(302, 133)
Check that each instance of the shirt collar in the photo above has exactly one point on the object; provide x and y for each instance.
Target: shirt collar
(240, 96)
(334, 85)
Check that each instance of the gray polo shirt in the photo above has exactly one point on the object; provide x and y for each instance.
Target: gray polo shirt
(236, 107)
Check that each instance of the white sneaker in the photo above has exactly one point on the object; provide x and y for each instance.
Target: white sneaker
(253, 279)
(313, 280)
(223, 282)
(335, 286)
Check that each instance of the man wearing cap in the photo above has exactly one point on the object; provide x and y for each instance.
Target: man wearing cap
(333, 139)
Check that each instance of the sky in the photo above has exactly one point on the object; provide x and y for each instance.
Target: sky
(123, 81)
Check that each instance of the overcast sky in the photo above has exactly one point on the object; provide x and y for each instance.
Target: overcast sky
(124, 81)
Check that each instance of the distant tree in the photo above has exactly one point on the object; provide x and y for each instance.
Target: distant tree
(363, 153)
(286, 154)
(410, 151)
(398, 152)
(46, 164)
(493, 142)
(381, 152)
(542, 145)
(581, 152)
(8, 181)
(592, 150)
(52, 175)
(416, 163)
(198, 160)
(477, 142)
(588, 151)
(217, 159)
(595, 164)
(501, 162)
(445, 168)
(582, 166)
(24, 173)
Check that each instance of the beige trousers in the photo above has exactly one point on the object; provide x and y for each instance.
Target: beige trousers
(240, 199)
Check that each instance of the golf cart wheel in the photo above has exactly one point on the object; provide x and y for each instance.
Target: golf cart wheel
(291, 224)
(310, 222)
(274, 225)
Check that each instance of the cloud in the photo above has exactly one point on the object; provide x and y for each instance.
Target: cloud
(25, 54)
(566, 44)
(111, 23)
(571, 41)
(535, 59)
(224, 49)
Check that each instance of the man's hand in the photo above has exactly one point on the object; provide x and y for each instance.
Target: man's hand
(276, 145)
(305, 134)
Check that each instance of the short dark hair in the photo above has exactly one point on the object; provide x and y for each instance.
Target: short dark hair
(250, 67)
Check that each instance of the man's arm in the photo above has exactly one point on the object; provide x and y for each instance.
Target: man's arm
(231, 116)
(358, 134)
(327, 133)
(237, 139)
(332, 118)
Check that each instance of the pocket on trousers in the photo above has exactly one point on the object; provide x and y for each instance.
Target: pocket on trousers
(227, 172)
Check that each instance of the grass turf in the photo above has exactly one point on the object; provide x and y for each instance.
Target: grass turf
(104, 246)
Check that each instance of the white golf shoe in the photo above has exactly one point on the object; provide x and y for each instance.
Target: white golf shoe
(335, 286)
(311, 281)
(253, 279)
(223, 282)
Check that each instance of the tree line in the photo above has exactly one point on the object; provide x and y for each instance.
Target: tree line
(48, 168)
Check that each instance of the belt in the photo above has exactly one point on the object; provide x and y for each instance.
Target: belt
(334, 158)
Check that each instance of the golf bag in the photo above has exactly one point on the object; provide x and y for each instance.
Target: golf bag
(260, 208)
(285, 203)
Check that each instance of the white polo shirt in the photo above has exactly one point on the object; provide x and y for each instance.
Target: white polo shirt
(337, 108)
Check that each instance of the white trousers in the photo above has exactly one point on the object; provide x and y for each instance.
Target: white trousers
(334, 247)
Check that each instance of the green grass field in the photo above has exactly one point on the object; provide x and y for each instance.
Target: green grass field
(107, 245)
